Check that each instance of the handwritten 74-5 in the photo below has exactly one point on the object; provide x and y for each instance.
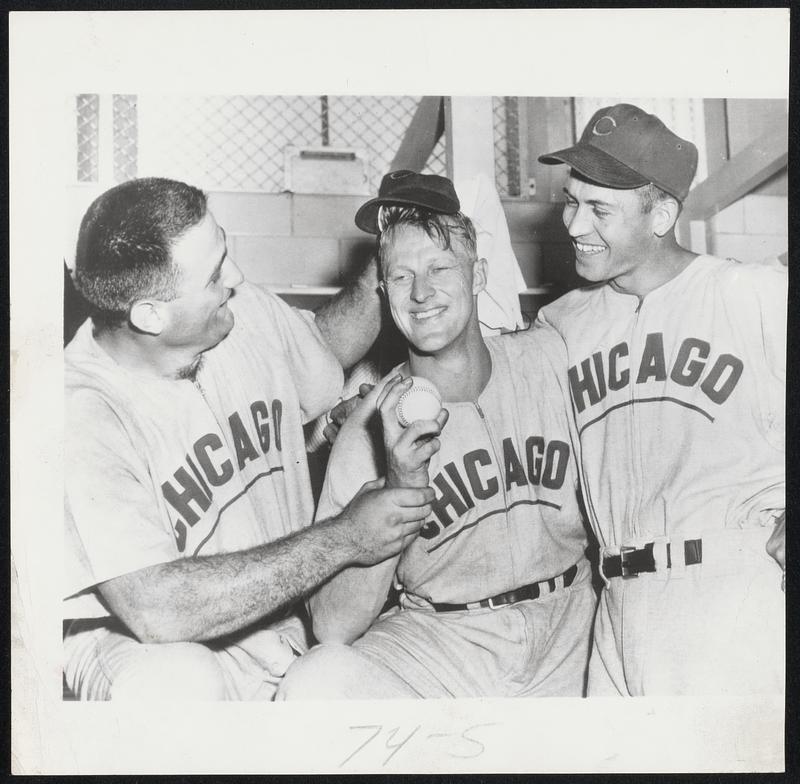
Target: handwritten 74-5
(461, 745)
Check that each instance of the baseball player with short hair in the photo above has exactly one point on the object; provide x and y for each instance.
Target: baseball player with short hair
(187, 492)
(495, 590)
(676, 376)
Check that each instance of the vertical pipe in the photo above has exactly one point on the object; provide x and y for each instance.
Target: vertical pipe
(324, 119)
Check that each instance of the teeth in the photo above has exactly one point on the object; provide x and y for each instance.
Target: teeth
(589, 249)
(426, 314)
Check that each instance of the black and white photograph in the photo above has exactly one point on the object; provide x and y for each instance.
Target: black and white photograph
(401, 408)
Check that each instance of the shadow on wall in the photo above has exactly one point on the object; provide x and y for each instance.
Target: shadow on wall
(76, 308)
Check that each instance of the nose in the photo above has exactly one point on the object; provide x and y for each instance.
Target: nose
(232, 275)
(576, 220)
(421, 288)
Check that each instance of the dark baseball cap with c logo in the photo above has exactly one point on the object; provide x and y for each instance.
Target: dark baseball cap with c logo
(624, 147)
(408, 188)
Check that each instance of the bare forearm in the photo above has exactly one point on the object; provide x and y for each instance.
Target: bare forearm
(345, 606)
(207, 597)
(351, 320)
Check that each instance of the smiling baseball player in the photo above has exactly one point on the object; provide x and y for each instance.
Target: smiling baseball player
(495, 591)
(676, 375)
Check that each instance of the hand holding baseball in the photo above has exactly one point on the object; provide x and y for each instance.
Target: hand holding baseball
(421, 401)
(409, 448)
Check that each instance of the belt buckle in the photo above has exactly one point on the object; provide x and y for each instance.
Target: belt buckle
(492, 605)
(627, 574)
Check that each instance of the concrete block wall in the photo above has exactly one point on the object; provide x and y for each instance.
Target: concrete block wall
(755, 228)
(284, 239)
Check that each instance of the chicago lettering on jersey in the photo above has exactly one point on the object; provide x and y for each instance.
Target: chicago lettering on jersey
(592, 378)
(477, 477)
(191, 492)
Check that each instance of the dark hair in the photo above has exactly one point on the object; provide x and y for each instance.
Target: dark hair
(125, 243)
(649, 195)
(443, 229)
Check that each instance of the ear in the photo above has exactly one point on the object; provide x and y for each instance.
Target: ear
(665, 214)
(146, 316)
(479, 275)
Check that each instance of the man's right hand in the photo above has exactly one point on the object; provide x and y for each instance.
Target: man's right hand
(379, 522)
(408, 449)
(341, 411)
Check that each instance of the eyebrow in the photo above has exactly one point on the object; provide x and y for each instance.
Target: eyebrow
(218, 267)
(593, 202)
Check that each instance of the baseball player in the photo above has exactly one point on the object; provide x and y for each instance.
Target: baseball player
(187, 491)
(676, 377)
(495, 590)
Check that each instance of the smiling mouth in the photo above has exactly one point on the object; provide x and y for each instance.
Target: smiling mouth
(588, 250)
(424, 315)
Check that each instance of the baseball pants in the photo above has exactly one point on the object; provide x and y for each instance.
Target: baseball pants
(714, 628)
(535, 648)
(103, 662)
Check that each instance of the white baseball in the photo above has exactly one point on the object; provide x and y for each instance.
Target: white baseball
(422, 401)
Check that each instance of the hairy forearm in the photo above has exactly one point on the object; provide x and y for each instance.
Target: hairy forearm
(351, 320)
(345, 606)
(207, 597)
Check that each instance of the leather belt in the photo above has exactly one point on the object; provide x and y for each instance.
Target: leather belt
(632, 562)
(526, 592)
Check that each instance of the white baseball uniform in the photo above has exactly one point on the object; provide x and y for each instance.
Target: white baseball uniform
(679, 405)
(160, 469)
(505, 515)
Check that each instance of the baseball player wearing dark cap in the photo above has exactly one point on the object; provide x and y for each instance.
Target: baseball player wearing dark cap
(676, 376)
(495, 592)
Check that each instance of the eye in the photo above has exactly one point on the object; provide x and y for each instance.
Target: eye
(400, 277)
(600, 213)
(440, 269)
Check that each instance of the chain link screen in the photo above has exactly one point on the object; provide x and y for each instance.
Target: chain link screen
(126, 138)
(87, 117)
(237, 142)
(505, 112)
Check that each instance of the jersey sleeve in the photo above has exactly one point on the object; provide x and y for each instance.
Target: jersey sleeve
(112, 522)
(317, 374)
(758, 294)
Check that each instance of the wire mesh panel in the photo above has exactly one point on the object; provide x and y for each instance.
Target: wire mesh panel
(377, 124)
(237, 142)
(232, 142)
(87, 115)
(505, 111)
(684, 116)
(126, 139)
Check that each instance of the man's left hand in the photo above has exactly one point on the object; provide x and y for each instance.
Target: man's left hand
(776, 544)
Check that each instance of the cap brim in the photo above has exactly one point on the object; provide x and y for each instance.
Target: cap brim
(597, 166)
(367, 213)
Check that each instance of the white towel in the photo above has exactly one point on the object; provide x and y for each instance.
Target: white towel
(498, 304)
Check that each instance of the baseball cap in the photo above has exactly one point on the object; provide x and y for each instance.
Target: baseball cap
(624, 147)
(407, 187)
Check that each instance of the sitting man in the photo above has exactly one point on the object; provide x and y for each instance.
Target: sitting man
(495, 591)
(187, 490)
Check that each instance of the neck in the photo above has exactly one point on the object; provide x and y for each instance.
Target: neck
(665, 260)
(144, 353)
(460, 371)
